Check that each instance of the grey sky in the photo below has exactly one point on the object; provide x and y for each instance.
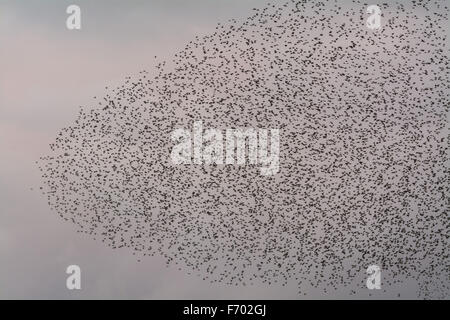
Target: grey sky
(46, 73)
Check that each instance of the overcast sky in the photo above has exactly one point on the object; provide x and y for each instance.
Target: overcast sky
(46, 73)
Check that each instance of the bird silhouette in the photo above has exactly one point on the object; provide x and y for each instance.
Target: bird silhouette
(362, 175)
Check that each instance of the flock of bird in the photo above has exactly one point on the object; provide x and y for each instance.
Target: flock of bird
(363, 179)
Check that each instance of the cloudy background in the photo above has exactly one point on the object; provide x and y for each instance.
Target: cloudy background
(46, 73)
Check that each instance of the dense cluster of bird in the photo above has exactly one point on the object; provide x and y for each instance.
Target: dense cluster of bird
(362, 116)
